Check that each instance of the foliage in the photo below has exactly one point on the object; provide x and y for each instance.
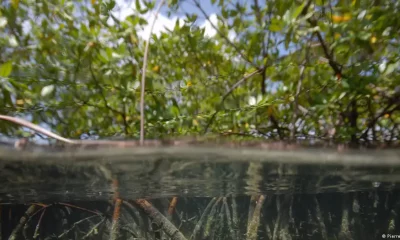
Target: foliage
(325, 69)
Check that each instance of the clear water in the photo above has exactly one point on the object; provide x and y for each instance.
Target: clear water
(307, 194)
(193, 172)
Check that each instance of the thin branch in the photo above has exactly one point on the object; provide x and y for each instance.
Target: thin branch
(76, 224)
(258, 13)
(389, 109)
(47, 133)
(237, 84)
(146, 52)
(334, 65)
(107, 106)
(36, 234)
(80, 208)
(94, 228)
(36, 128)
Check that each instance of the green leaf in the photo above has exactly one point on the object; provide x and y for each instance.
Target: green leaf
(276, 25)
(103, 56)
(110, 5)
(3, 22)
(175, 111)
(288, 38)
(391, 67)
(47, 90)
(5, 69)
(8, 87)
(137, 4)
(15, 3)
(298, 10)
(345, 84)
(12, 41)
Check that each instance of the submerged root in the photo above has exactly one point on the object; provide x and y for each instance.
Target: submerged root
(255, 220)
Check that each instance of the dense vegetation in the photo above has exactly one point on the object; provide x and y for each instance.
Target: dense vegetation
(313, 68)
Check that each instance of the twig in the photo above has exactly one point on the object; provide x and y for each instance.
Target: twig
(36, 234)
(237, 84)
(146, 51)
(94, 228)
(22, 222)
(80, 208)
(160, 220)
(75, 224)
(389, 109)
(115, 220)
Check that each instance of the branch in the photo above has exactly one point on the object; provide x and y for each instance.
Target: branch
(386, 110)
(334, 65)
(146, 51)
(123, 114)
(228, 93)
(47, 133)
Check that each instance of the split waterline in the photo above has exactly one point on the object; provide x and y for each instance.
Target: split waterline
(208, 192)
